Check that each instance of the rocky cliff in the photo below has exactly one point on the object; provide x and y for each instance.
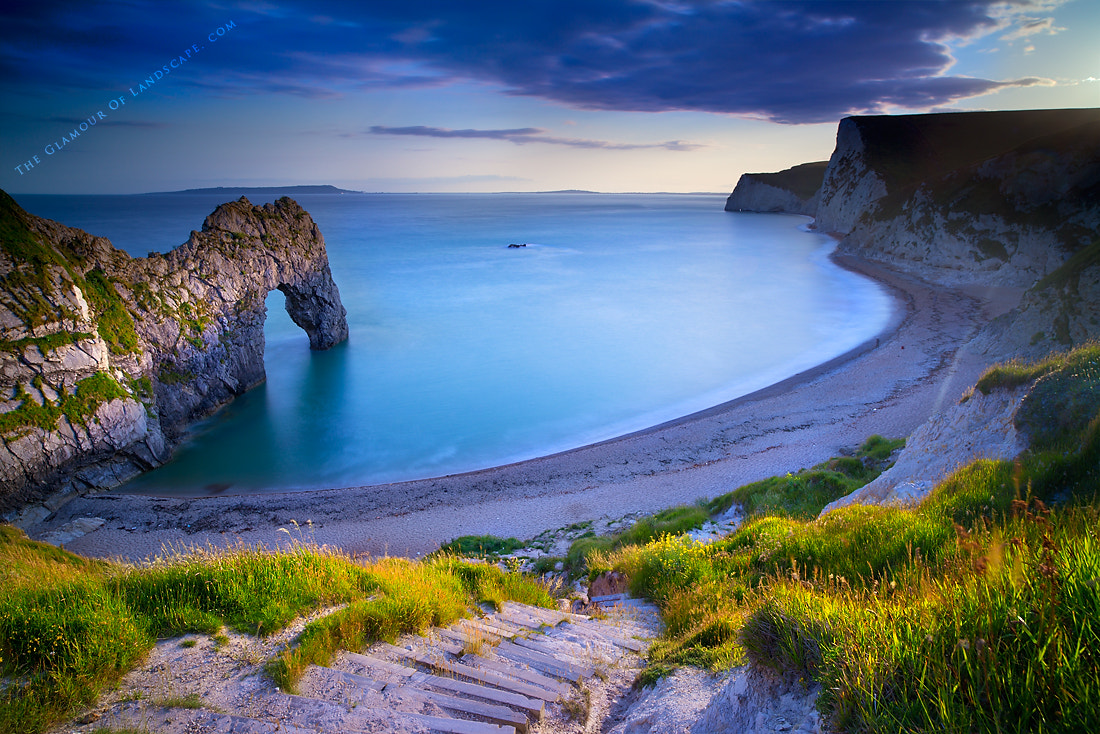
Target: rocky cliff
(793, 191)
(984, 198)
(106, 359)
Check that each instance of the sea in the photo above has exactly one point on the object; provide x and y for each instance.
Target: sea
(621, 312)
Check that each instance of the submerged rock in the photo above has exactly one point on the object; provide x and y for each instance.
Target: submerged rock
(105, 359)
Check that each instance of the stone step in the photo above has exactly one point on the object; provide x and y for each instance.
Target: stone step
(382, 719)
(579, 646)
(487, 677)
(552, 617)
(458, 726)
(185, 721)
(388, 671)
(516, 669)
(466, 639)
(572, 672)
(488, 627)
(562, 650)
(347, 685)
(522, 619)
(604, 634)
(495, 620)
(437, 642)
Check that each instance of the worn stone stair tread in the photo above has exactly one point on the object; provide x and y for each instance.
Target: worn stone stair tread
(489, 627)
(492, 713)
(571, 671)
(184, 721)
(398, 721)
(523, 620)
(532, 707)
(459, 635)
(440, 644)
(495, 620)
(373, 719)
(582, 640)
(459, 726)
(519, 670)
(560, 649)
(482, 676)
(628, 643)
(552, 617)
(628, 630)
(606, 597)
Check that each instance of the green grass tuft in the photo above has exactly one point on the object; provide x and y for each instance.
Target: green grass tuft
(481, 546)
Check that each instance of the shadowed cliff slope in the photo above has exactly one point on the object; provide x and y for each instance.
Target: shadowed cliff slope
(105, 359)
(793, 191)
(978, 198)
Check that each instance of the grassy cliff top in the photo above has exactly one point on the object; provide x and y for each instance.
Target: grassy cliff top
(803, 180)
(911, 148)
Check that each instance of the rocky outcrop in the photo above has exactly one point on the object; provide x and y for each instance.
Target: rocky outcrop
(106, 359)
(979, 427)
(793, 191)
(984, 198)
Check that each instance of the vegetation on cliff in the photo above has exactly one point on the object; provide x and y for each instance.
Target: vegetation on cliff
(802, 180)
(978, 610)
(82, 323)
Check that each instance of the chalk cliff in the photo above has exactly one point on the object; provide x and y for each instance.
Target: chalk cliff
(106, 359)
(793, 191)
(983, 198)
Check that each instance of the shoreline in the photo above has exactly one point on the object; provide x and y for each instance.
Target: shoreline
(889, 385)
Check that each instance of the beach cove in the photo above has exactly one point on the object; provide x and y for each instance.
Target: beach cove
(889, 386)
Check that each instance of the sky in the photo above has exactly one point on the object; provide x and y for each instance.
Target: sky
(474, 96)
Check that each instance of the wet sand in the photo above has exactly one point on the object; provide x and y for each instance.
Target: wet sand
(889, 386)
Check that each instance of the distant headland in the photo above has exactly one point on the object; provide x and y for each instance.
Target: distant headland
(257, 191)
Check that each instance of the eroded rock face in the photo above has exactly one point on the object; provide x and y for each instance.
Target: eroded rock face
(979, 427)
(793, 191)
(1001, 199)
(105, 359)
(852, 186)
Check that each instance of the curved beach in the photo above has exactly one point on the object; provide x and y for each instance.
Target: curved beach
(889, 385)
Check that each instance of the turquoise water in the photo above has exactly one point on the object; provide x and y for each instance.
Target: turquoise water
(622, 312)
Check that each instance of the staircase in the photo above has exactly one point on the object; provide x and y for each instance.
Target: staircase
(519, 669)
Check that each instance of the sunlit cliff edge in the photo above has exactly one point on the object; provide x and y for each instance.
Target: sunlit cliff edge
(106, 359)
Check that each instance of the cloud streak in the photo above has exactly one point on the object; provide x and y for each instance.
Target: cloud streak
(525, 135)
(793, 61)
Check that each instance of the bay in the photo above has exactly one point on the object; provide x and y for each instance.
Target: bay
(623, 311)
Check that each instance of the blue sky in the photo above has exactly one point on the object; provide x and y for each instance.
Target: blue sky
(416, 95)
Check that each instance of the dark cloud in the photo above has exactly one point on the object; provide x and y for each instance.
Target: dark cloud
(784, 60)
(113, 122)
(523, 135)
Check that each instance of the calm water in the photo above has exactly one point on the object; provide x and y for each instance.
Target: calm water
(623, 312)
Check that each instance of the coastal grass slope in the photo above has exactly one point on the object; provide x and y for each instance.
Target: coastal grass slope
(978, 610)
(70, 626)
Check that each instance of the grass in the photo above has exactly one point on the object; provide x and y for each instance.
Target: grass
(70, 626)
(90, 393)
(585, 550)
(804, 494)
(481, 546)
(116, 325)
(978, 610)
(800, 495)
